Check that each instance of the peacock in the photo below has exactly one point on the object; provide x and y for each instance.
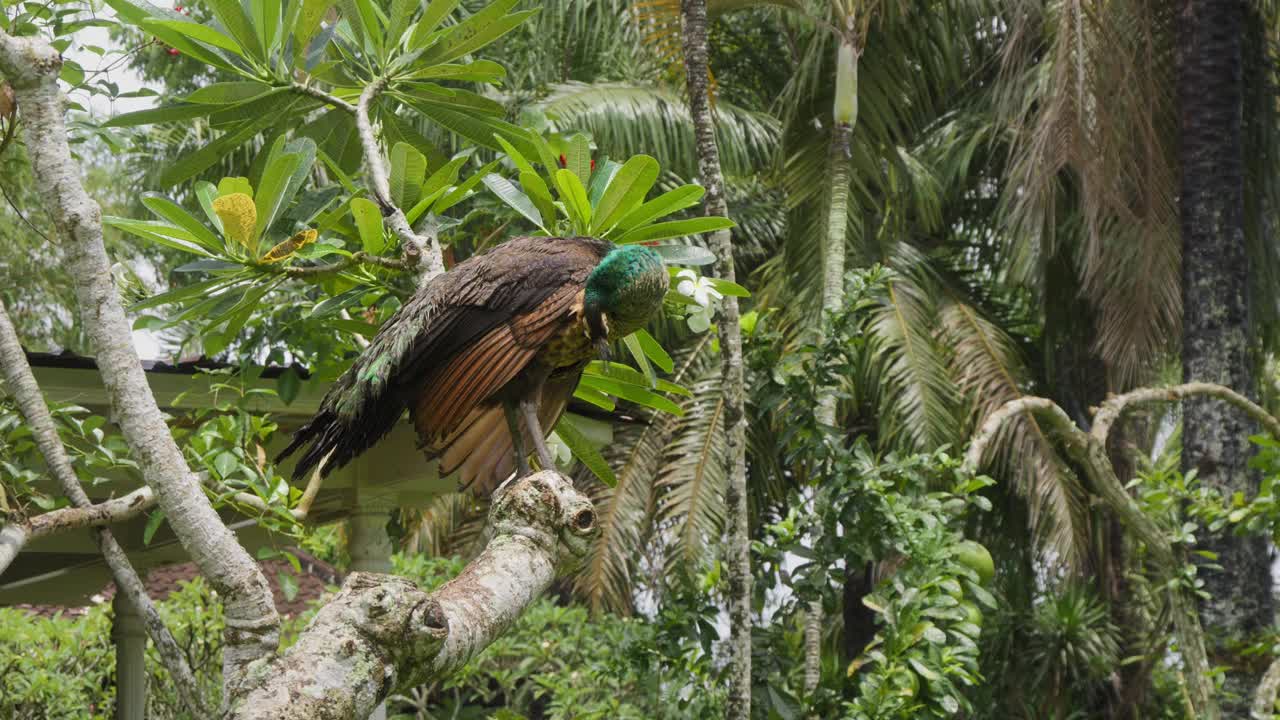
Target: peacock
(486, 356)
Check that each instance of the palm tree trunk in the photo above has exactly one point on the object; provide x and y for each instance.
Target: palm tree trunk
(845, 113)
(1215, 340)
(738, 546)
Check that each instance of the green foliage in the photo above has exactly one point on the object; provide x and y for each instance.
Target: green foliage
(56, 668)
(908, 511)
(266, 51)
(605, 200)
(556, 662)
(94, 454)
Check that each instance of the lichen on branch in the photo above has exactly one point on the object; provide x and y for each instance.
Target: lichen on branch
(382, 633)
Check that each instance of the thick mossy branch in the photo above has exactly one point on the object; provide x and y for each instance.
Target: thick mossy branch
(1114, 407)
(381, 633)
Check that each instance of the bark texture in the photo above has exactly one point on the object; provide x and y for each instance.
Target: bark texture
(21, 384)
(423, 251)
(252, 624)
(1215, 341)
(738, 545)
(382, 633)
(832, 301)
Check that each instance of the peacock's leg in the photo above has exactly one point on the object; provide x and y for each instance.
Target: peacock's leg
(529, 408)
(517, 440)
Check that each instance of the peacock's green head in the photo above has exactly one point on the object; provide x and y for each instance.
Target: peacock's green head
(627, 288)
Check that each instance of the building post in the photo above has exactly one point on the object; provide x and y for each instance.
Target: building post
(368, 543)
(130, 638)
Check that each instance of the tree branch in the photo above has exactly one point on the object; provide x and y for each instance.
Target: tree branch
(315, 92)
(381, 633)
(421, 251)
(1114, 407)
(1091, 454)
(1264, 699)
(252, 624)
(17, 535)
(21, 383)
(108, 512)
(359, 257)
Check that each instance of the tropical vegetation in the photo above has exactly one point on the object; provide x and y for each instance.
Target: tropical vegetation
(912, 215)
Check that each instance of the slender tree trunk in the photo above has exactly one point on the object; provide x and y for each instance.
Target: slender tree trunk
(738, 546)
(1215, 341)
(859, 620)
(844, 115)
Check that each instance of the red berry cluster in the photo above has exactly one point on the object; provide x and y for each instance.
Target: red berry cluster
(564, 162)
(185, 11)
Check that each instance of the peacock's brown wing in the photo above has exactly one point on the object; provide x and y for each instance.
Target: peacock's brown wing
(459, 340)
(480, 451)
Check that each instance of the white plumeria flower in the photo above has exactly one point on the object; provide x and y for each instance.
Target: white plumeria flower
(697, 287)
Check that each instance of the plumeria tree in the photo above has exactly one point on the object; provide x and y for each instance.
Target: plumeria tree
(345, 209)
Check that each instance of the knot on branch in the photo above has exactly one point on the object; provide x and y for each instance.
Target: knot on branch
(27, 62)
(547, 509)
(391, 610)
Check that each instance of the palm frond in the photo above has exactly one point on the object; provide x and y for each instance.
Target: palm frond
(1091, 114)
(908, 371)
(628, 119)
(691, 484)
(607, 579)
(989, 369)
(450, 524)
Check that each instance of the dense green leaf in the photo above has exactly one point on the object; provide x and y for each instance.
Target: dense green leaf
(536, 189)
(485, 71)
(224, 93)
(654, 351)
(578, 158)
(459, 193)
(669, 202)
(436, 12)
(476, 31)
(154, 520)
(287, 385)
(634, 393)
(231, 14)
(574, 197)
(512, 196)
(625, 192)
(674, 229)
(272, 194)
(685, 255)
(161, 233)
(174, 213)
(408, 170)
(368, 217)
(196, 31)
(585, 451)
(632, 344)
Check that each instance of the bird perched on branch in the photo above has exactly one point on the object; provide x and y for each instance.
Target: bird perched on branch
(486, 356)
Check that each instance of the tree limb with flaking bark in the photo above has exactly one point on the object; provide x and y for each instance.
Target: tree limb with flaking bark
(380, 633)
(1089, 451)
(252, 624)
(421, 250)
